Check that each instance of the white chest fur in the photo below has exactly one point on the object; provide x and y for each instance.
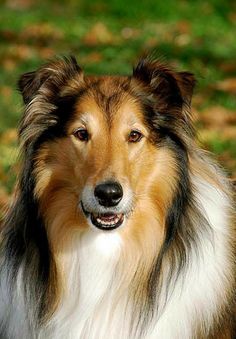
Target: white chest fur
(93, 308)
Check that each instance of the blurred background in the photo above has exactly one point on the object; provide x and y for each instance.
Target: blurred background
(109, 37)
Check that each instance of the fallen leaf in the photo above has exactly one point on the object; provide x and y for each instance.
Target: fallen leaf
(6, 92)
(130, 33)
(228, 67)
(98, 34)
(217, 116)
(8, 35)
(9, 136)
(9, 64)
(43, 32)
(93, 57)
(19, 4)
(182, 40)
(227, 85)
(46, 52)
(183, 27)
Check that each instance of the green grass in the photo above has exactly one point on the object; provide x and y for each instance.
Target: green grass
(109, 37)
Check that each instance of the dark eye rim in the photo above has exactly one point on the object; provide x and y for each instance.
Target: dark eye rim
(81, 134)
(137, 138)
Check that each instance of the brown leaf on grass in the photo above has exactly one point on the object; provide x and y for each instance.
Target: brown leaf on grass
(232, 17)
(8, 35)
(217, 116)
(19, 4)
(229, 132)
(46, 52)
(184, 27)
(9, 64)
(198, 99)
(227, 85)
(129, 33)
(93, 57)
(182, 33)
(228, 67)
(151, 43)
(9, 136)
(98, 34)
(6, 92)
(225, 132)
(22, 51)
(182, 40)
(16, 53)
(41, 33)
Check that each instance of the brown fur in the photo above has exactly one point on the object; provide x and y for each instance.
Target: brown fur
(165, 225)
(64, 166)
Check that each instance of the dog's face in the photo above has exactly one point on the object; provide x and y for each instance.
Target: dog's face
(100, 159)
(108, 140)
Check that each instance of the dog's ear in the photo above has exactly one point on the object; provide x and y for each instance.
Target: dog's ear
(29, 83)
(170, 88)
(53, 74)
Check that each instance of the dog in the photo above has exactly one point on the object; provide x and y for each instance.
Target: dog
(120, 226)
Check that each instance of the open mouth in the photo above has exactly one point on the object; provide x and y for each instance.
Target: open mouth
(104, 221)
(107, 221)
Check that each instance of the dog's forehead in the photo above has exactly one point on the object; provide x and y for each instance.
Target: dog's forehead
(107, 84)
(108, 99)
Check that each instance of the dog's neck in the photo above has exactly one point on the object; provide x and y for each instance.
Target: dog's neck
(99, 298)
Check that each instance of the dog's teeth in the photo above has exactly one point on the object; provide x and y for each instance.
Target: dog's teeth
(107, 220)
(108, 223)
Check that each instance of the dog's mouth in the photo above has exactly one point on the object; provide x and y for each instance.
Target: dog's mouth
(105, 221)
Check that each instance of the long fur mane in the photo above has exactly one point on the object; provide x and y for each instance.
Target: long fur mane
(186, 290)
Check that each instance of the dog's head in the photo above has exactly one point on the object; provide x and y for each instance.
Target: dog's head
(104, 151)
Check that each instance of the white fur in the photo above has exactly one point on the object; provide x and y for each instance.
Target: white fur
(92, 308)
(200, 294)
(196, 296)
(91, 272)
(12, 307)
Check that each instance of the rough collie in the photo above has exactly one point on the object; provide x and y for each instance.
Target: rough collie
(120, 227)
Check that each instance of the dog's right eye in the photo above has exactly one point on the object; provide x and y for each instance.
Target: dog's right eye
(135, 136)
(81, 134)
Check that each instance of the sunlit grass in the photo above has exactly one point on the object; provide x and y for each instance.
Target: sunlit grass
(109, 37)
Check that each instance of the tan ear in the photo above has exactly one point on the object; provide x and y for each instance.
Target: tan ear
(54, 74)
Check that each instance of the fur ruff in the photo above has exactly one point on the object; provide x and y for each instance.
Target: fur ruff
(169, 271)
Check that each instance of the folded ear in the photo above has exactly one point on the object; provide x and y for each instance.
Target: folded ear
(29, 83)
(54, 74)
(186, 83)
(171, 89)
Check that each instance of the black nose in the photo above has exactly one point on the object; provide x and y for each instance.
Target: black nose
(108, 194)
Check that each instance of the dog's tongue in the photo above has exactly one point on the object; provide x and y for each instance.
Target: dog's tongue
(108, 217)
(107, 220)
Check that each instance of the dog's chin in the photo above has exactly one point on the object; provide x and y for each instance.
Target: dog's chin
(104, 221)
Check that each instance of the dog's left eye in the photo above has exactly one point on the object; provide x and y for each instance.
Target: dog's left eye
(135, 136)
(81, 134)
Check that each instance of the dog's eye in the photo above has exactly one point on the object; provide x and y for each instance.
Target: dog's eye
(81, 134)
(135, 136)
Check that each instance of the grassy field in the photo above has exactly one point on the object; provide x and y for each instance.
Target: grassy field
(109, 37)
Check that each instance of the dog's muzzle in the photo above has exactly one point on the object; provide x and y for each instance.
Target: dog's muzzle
(102, 207)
